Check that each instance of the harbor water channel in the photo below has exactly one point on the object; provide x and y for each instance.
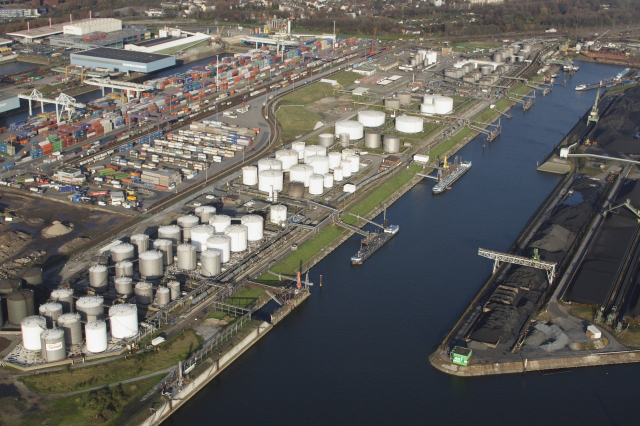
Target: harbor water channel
(356, 352)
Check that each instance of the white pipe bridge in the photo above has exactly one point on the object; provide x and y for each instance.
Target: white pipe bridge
(498, 257)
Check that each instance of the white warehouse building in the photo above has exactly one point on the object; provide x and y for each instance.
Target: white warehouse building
(104, 25)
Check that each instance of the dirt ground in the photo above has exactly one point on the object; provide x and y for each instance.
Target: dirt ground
(328, 108)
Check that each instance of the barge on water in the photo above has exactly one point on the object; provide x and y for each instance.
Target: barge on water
(371, 245)
(449, 174)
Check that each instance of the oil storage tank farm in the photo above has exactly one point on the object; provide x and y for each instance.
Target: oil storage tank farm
(222, 244)
(123, 320)
(269, 164)
(32, 327)
(301, 173)
(124, 286)
(170, 232)
(122, 252)
(434, 104)
(141, 241)
(335, 158)
(270, 181)
(316, 184)
(220, 223)
(199, 236)
(313, 150)
(391, 144)
(150, 265)
(96, 336)
(144, 293)
(124, 269)
(63, 296)
(287, 158)
(210, 263)
(372, 118)
(326, 140)
(51, 312)
(355, 129)
(186, 257)
(99, 278)
(205, 213)
(163, 297)
(20, 304)
(186, 223)
(255, 226)
(71, 325)
(371, 140)
(409, 124)
(278, 214)
(299, 148)
(238, 235)
(90, 308)
(250, 174)
(319, 163)
(52, 344)
(166, 248)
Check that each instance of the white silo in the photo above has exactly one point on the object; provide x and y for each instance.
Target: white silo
(72, 326)
(301, 173)
(32, 327)
(328, 180)
(144, 293)
(443, 104)
(347, 152)
(278, 214)
(124, 286)
(269, 164)
(124, 269)
(222, 244)
(354, 161)
(299, 148)
(186, 223)
(220, 223)
(316, 184)
(210, 263)
(250, 175)
(186, 257)
(166, 248)
(64, 296)
(371, 118)
(163, 297)
(255, 226)
(238, 236)
(90, 308)
(355, 129)
(170, 232)
(96, 336)
(99, 277)
(205, 213)
(346, 169)
(337, 174)
(50, 311)
(320, 164)
(335, 158)
(270, 180)
(288, 157)
(122, 252)
(52, 345)
(123, 321)
(150, 265)
(312, 150)
(199, 236)
(141, 242)
(409, 124)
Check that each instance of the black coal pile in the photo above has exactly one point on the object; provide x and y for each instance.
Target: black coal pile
(616, 130)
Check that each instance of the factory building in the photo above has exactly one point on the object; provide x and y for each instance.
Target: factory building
(122, 60)
(77, 28)
(116, 39)
(70, 175)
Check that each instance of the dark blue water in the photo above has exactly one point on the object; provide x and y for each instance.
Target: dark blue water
(11, 67)
(356, 351)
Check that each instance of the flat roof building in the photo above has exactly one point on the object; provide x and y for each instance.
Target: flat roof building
(32, 35)
(122, 60)
(9, 102)
(116, 39)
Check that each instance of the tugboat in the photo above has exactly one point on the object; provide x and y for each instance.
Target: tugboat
(450, 173)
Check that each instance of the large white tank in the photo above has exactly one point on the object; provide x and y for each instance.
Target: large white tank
(288, 158)
(409, 124)
(278, 214)
(301, 173)
(32, 327)
(347, 152)
(96, 334)
(64, 296)
(354, 161)
(124, 286)
(346, 169)
(316, 184)
(220, 223)
(50, 311)
(144, 293)
(163, 297)
(122, 252)
(355, 129)
(326, 140)
(269, 164)
(238, 235)
(337, 174)
(428, 109)
(150, 265)
(371, 118)
(255, 226)
(250, 175)
(186, 223)
(52, 345)
(221, 243)
(123, 321)
(186, 257)
(99, 277)
(299, 148)
(174, 288)
(90, 308)
(205, 213)
(166, 248)
(199, 236)
(328, 180)
(141, 242)
(335, 158)
(320, 164)
(170, 232)
(210, 263)
(72, 326)
(444, 105)
(270, 180)
(313, 150)
(124, 269)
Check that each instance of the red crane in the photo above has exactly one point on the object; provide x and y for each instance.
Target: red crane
(373, 42)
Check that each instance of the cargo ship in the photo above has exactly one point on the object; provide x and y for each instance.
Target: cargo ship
(450, 174)
(608, 82)
(373, 244)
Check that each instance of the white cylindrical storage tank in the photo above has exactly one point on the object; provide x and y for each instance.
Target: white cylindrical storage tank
(50, 311)
(123, 321)
(186, 257)
(99, 277)
(313, 150)
(170, 232)
(199, 236)
(391, 144)
(144, 293)
(64, 296)
(163, 297)
(150, 265)
(288, 158)
(326, 140)
(404, 97)
(124, 269)
(255, 226)
(52, 345)
(354, 161)
(328, 180)
(210, 263)
(299, 148)
(372, 140)
(72, 326)
(124, 286)
(205, 213)
(174, 289)
(269, 164)
(486, 69)
(141, 242)
(301, 173)
(428, 99)
(346, 169)
(220, 223)
(96, 334)
(371, 118)
(186, 223)
(335, 158)
(250, 175)
(238, 235)
(347, 152)
(443, 104)
(166, 248)
(90, 308)
(409, 124)
(316, 184)
(338, 175)
(427, 108)
(122, 252)
(355, 129)
(319, 163)
(344, 139)
(278, 214)
(221, 243)
(32, 327)
(270, 180)
(497, 57)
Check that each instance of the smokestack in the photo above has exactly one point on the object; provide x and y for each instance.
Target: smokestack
(28, 28)
(89, 15)
(70, 18)
(49, 22)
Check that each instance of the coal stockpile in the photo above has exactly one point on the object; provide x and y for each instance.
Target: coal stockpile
(633, 309)
(616, 130)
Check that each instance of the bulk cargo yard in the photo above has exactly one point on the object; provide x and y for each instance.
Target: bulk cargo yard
(222, 208)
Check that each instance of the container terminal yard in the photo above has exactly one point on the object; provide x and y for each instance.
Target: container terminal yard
(207, 194)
